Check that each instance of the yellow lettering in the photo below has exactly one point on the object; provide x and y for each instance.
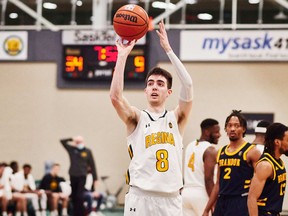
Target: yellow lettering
(148, 141)
(282, 178)
(229, 162)
(159, 138)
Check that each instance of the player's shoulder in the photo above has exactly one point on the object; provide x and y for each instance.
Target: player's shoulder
(264, 166)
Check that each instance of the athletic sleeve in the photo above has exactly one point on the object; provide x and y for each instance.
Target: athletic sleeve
(186, 90)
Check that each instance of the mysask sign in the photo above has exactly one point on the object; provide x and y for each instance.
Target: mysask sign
(242, 45)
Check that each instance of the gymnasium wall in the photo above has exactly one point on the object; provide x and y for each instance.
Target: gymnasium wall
(35, 114)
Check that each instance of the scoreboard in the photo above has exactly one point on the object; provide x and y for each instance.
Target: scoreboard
(97, 63)
(89, 58)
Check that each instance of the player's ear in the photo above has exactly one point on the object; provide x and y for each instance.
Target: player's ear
(169, 91)
(277, 142)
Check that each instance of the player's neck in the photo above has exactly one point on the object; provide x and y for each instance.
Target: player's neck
(156, 109)
(259, 140)
(235, 144)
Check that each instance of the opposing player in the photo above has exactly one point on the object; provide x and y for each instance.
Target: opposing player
(236, 162)
(268, 184)
(199, 166)
(260, 131)
(154, 135)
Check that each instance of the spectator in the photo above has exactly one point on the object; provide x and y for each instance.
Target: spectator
(24, 182)
(81, 158)
(5, 189)
(91, 194)
(51, 184)
(14, 166)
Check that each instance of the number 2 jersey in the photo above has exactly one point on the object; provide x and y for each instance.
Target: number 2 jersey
(235, 172)
(156, 148)
(271, 198)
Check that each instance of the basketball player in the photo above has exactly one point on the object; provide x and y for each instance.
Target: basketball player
(199, 166)
(154, 135)
(235, 170)
(268, 184)
(260, 131)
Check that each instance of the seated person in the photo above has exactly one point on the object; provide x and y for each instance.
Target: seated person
(14, 166)
(91, 194)
(5, 189)
(51, 184)
(24, 183)
(7, 193)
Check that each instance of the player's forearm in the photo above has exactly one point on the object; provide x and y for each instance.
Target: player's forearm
(186, 91)
(252, 206)
(117, 84)
(64, 142)
(209, 184)
(212, 199)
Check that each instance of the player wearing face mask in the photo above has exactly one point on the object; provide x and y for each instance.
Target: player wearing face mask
(81, 158)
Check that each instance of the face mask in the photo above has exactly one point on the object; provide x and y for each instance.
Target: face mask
(80, 146)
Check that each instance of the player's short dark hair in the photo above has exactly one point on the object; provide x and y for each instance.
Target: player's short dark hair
(207, 123)
(274, 131)
(262, 127)
(162, 72)
(27, 166)
(263, 124)
(242, 119)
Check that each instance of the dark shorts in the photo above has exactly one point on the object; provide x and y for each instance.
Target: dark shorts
(231, 206)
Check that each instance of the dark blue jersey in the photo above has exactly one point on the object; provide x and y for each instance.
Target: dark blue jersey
(235, 172)
(271, 198)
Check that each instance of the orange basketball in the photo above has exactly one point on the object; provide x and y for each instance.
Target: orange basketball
(131, 22)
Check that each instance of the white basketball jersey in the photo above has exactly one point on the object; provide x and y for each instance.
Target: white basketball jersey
(260, 147)
(194, 164)
(156, 151)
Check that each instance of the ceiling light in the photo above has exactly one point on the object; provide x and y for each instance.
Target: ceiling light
(204, 16)
(281, 16)
(13, 15)
(254, 1)
(191, 1)
(49, 6)
(163, 5)
(79, 3)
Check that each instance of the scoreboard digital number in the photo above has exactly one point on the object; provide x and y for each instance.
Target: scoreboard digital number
(97, 63)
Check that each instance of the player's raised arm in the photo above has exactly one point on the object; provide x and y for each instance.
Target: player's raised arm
(126, 112)
(186, 92)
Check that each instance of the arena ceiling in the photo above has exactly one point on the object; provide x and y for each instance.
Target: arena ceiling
(59, 14)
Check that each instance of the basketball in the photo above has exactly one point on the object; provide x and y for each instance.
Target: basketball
(131, 22)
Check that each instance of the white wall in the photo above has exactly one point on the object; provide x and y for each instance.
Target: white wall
(35, 114)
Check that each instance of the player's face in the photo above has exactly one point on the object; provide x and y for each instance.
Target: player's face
(234, 129)
(27, 170)
(284, 144)
(55, 170)
(157, 90)
(214, 134)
